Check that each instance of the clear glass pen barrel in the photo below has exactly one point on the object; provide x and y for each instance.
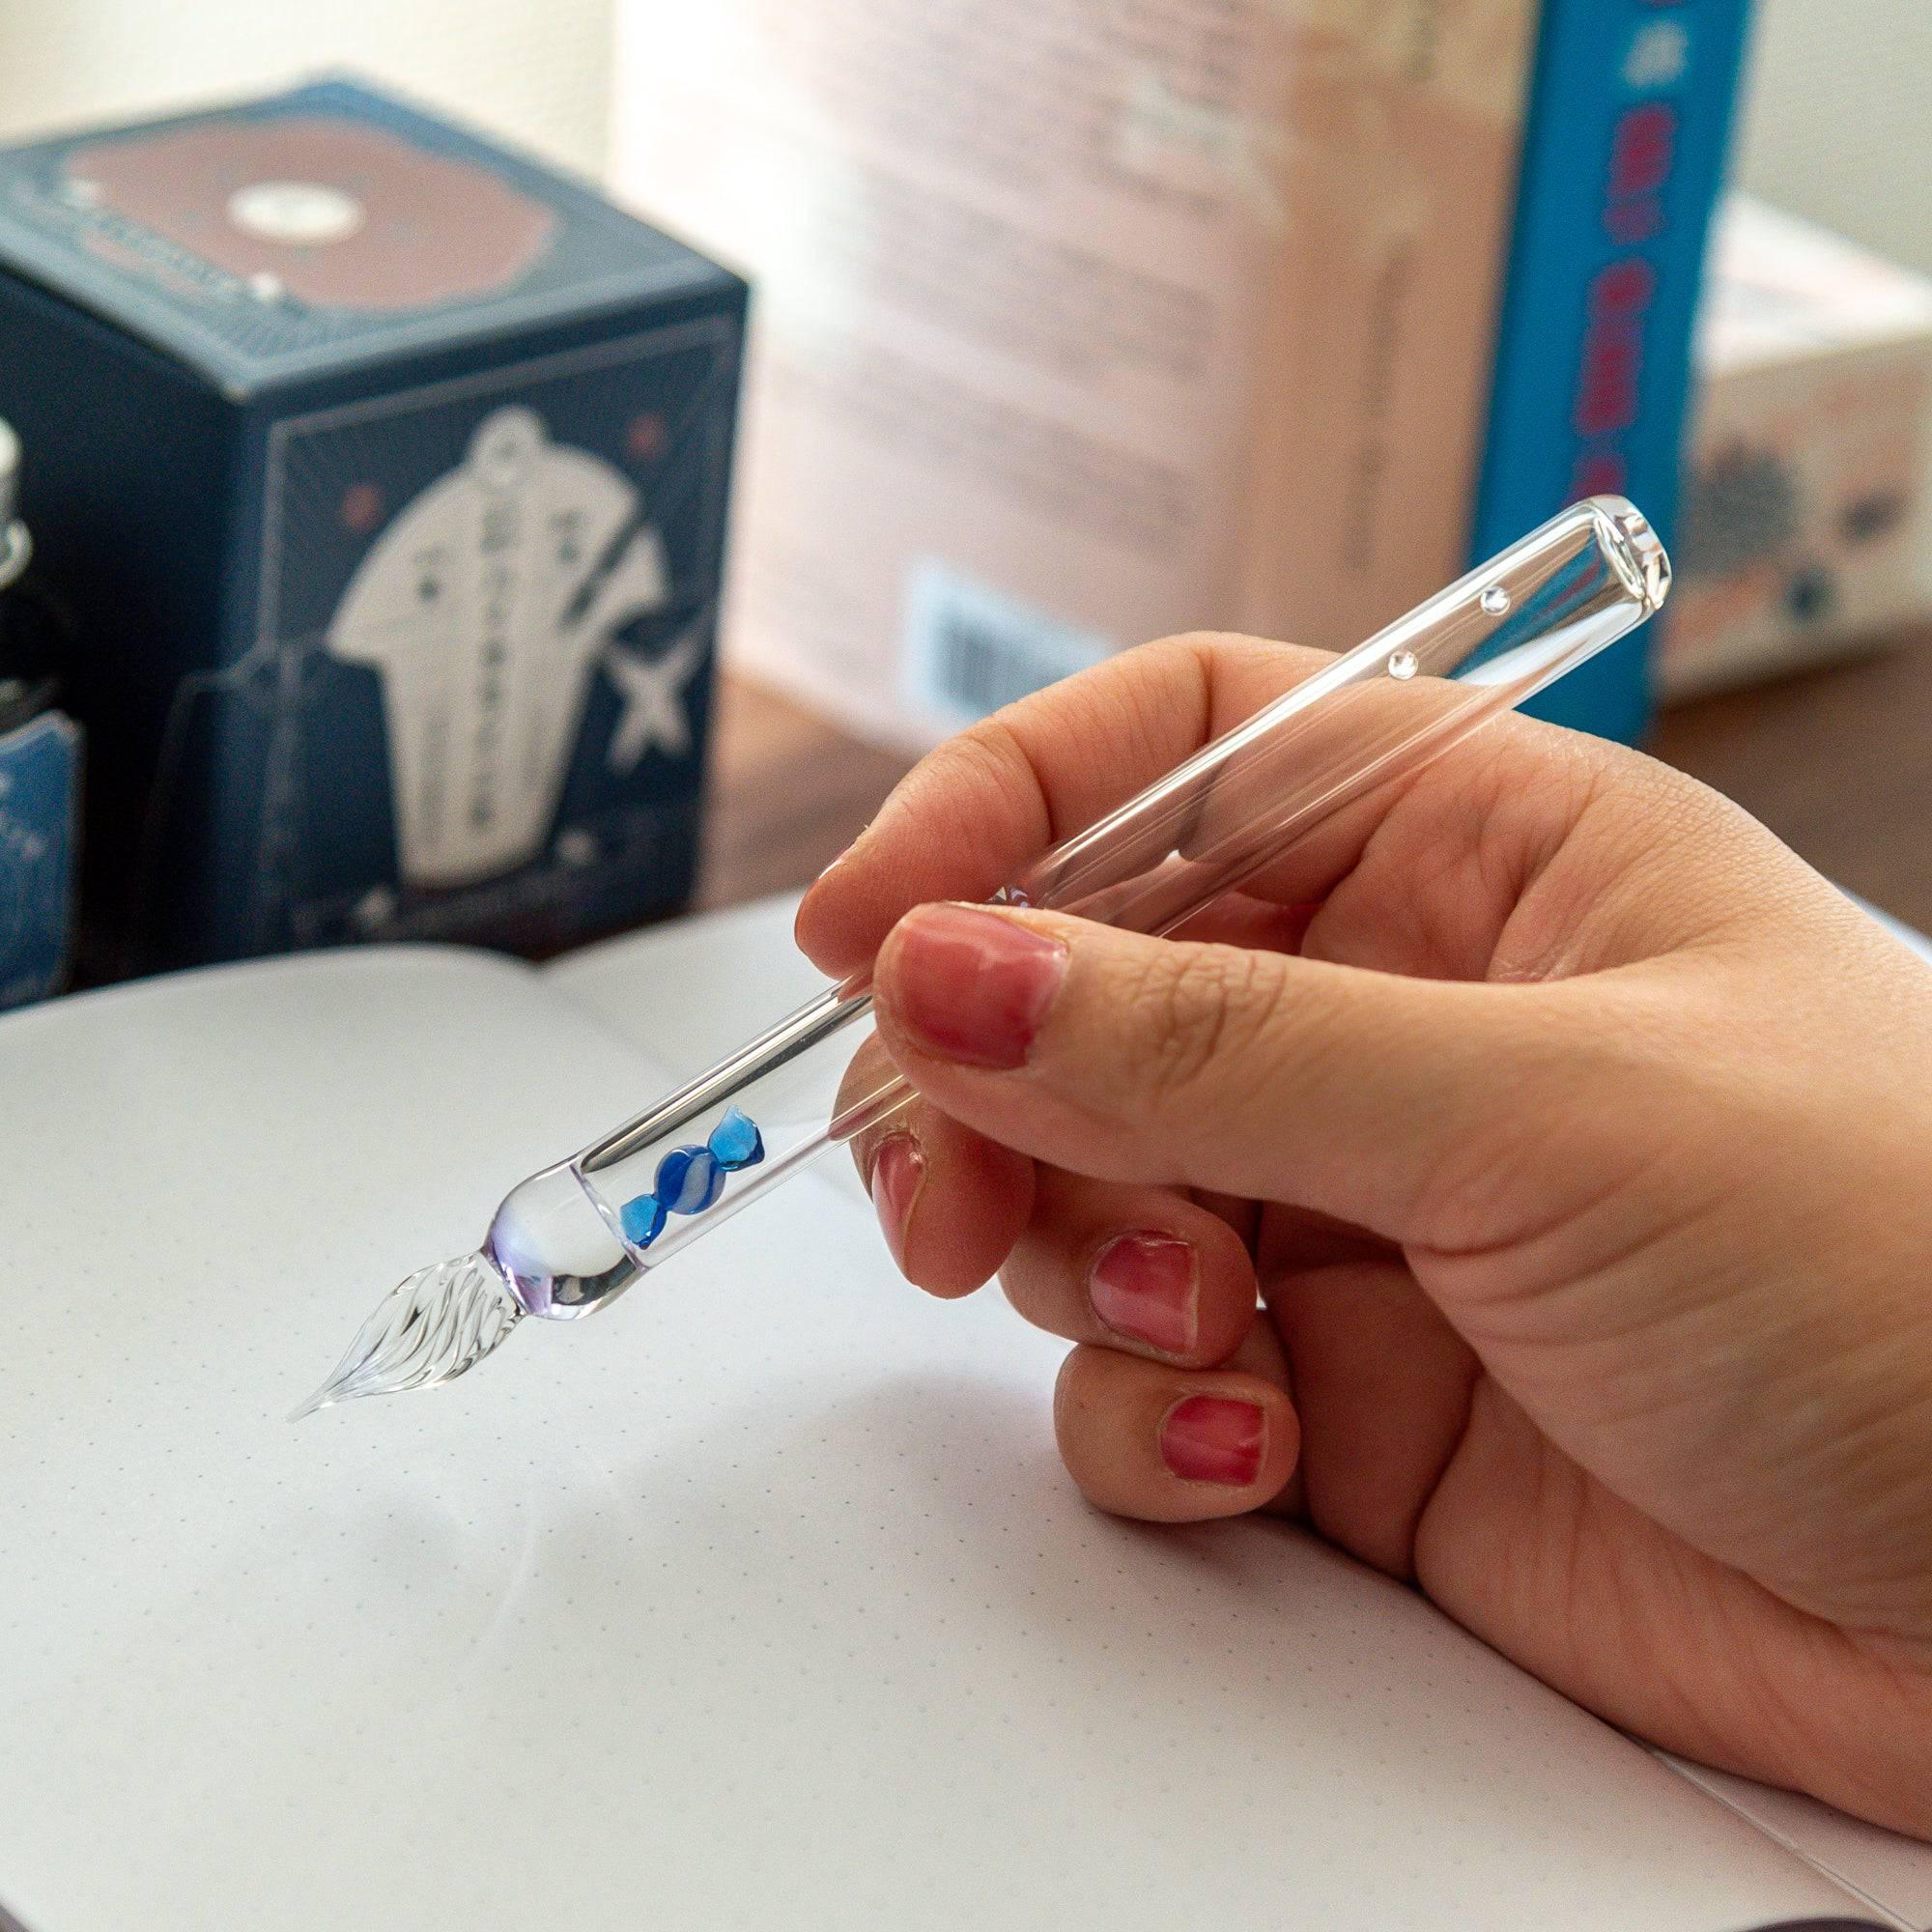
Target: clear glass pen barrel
(572, 1238)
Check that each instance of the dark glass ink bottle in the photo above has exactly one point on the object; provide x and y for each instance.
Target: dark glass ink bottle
(40, 769)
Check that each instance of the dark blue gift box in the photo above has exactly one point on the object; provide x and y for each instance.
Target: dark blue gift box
(385, 473)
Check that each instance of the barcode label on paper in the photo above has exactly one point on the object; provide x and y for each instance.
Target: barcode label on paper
(969, 648)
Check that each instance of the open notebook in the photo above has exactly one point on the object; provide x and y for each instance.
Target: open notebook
(759, 1600)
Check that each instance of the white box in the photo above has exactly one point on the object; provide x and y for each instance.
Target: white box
(1806, 532)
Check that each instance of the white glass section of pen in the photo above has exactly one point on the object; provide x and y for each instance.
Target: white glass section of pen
(571, 1239)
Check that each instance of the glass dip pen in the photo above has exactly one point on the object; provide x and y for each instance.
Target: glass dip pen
(570, 1239)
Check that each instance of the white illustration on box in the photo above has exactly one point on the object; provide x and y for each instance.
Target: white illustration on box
(488, 606)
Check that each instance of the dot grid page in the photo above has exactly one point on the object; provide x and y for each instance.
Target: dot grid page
(759, 1600)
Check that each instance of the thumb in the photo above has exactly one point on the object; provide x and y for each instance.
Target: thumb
(1367, 1095)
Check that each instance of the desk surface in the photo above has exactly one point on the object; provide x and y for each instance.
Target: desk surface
(1836, 761)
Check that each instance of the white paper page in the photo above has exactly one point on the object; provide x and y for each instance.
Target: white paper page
(759, 1600)
(691, 991)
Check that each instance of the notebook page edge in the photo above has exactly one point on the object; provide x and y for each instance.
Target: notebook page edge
(1806, 1837)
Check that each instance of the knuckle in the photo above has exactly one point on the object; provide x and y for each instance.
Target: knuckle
(1200, 1011)
(984, 761)
(980, 770)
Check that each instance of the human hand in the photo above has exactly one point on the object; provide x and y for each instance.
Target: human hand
(1528, 1183)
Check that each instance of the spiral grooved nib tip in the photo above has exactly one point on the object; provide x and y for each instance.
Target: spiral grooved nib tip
(430, 1329)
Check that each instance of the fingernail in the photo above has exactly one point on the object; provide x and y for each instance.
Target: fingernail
(1209, 1438)
(973, 987)
(837, 860)
(1145, 1286)
(899, 1173)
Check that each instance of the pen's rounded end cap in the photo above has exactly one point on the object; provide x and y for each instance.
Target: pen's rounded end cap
(1634, 548)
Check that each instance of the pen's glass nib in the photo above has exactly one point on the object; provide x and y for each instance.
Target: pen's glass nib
(428, 1329)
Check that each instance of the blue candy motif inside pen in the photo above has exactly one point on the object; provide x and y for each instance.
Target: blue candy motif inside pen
(689, 1178)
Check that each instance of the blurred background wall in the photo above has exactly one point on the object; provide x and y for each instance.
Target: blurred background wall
(536, 71)
(1834, 123)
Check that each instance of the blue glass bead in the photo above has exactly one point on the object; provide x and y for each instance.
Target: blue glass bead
(737, 1142)
(689, 1179)
(643, 1220)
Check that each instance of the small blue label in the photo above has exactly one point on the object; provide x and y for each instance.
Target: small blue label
(40, 765)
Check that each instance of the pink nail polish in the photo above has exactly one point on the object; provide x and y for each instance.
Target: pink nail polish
(1145, 1286)
(1209, 1438)
(972, 987)
(899, 1173)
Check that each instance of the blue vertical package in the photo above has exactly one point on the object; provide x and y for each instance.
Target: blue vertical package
(385, 473)
(40, 773)
(1623, 159)
(40, 765)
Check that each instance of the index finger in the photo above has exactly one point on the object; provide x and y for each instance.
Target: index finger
(973, 811)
